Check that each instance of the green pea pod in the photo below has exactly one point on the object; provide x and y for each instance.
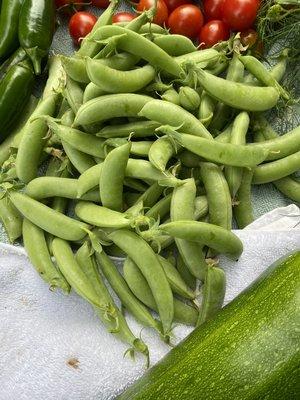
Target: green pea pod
(36, 29)
(10, 10)
(213, 294)
(15, 90)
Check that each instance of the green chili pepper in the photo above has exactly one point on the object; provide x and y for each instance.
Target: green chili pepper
(18, 56)
(36, 29)
(15, 90)
(9, 19)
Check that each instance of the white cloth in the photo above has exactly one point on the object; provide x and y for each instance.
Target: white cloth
(41, 331)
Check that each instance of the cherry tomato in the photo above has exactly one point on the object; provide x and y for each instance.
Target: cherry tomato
(172, 4)
(69, 7)
(186, 20)
(239, 14)
(213, 9)
(100, 3)
(213, 32)
(161, 16)
(81, 23)
(122, 17)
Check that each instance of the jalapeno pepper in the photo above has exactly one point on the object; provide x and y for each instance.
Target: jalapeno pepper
(18, 56)
(9, 22)
(36, 29)
(15, 90)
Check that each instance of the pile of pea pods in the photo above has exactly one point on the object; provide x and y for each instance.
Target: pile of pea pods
(149, 145)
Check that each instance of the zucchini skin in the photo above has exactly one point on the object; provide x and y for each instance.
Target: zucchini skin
(251, 350)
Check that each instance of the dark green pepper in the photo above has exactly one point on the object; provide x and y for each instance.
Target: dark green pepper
(15, 90)
(18, 56)
(9, 22)
(36, 29)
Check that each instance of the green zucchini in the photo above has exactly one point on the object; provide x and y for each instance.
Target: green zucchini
(251, 350)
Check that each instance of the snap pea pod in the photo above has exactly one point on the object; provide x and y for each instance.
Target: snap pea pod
(11, 219)
(136, 44)
(130, 198)
(222, 153)
(120, 287)
(243, 210)
(189, 159)
(214, 236)
(76, 67)
(185, 273)
(18, 80)
(174, 45)
(137, 129)
(81, 161)
(182, 208)
(135, 184)
(146, 28)
(9, 20)
(172, 96)
(218, 195)
(89, 48)
(113, 81)
(140, 149)
(73, 93)
(138, 285)
(47, 219)
(213, 294)
(189, 98)
(161, 151)
(256, 68)
(46, 186)
(145, 258)
(33, 140)
(36, 29)
(239, 95)
(84, 142)
(178, 285)
(278, 169)
(151, 195)
(200, 57)
(167, 113)
(56, 77)
(160, 209)
(238, 134)
(222, 112)
(280, 146)
(104, 217)
(110, 106)
(206, 109)
(91, 92)
(112, 177)
(224, 137)
(108, 312)
(263, 126)
(289, 187)
(38, 253)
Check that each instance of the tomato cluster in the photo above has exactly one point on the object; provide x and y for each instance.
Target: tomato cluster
(208, 25)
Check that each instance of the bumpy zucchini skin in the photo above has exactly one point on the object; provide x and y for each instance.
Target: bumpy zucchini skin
(251, 350)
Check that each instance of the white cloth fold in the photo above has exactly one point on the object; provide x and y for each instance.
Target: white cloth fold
(53, 346)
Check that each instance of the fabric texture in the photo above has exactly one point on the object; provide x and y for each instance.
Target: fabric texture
(54, 346)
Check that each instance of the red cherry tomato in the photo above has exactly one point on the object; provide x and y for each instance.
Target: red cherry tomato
(100, 3)
(69, 7)
(81, 24)
(239, 14)
(213, 9)
(186, 20)
(122, 17)
(172, 4)
(161, 16)
(213, 32)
